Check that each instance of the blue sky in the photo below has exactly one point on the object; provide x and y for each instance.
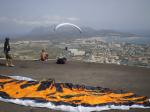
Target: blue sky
(17, 16)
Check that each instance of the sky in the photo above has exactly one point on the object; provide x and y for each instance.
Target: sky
(20, 16)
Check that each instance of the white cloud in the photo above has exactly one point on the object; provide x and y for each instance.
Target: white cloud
(38, 21)
(73, 19)
(2, 19)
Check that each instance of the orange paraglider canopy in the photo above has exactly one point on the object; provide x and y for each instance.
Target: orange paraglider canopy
(67, 93)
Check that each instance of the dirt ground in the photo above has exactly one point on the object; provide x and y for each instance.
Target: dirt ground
(134, 79)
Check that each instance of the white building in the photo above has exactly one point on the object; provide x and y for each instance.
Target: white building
(77, 52)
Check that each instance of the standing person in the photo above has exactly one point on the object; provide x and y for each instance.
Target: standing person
(7, 53)
(66, 48)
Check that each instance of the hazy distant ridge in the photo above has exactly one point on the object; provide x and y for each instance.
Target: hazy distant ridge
(71, 33)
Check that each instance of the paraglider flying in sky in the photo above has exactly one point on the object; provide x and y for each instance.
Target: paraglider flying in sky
(68, 24)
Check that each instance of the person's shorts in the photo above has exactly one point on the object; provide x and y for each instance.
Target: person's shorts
(8, 56)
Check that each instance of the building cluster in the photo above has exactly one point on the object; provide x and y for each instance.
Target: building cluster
(90, 50)
(99, 51)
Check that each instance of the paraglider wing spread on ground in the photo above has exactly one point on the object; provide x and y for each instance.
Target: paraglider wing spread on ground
(67, 93)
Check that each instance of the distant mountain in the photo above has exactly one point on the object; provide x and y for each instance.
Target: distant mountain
(87, 32)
